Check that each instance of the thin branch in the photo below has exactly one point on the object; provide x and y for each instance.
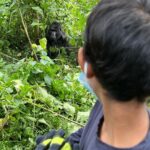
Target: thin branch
(1, 53)
(57, 114)
(25, 28)
(27, 34)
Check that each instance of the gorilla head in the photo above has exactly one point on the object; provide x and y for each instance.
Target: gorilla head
(56, 38)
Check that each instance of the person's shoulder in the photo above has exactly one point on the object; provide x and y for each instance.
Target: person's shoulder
(97, 106)
(96, 110)
(91, 126)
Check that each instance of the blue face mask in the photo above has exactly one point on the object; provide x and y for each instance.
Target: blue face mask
(83, 80)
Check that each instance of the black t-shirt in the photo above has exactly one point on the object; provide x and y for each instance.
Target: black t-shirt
(88, 136)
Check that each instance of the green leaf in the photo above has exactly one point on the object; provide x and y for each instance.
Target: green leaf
(1, 74)
(47, 80)
(18, 84)
(9, 90)
(43, 43)
(83, 116)
(43, 121)
(35, 23)
(43, 92)
(31, 118)
(69, 109)
(37, 71)
(46, 60)
(38, 10)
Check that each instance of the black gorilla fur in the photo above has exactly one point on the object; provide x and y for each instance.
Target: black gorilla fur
(56, 38)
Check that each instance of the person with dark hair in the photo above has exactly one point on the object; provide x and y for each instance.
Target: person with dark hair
(115, 60)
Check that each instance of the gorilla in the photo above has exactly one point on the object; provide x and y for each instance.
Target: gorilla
(56, 38)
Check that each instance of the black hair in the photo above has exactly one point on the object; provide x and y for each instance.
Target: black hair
(117, 44)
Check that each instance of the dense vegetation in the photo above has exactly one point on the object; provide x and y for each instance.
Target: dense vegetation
(36, 96)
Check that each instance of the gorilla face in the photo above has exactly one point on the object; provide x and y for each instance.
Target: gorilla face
(55, 31)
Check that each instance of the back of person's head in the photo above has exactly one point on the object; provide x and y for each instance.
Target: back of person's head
(117, 44)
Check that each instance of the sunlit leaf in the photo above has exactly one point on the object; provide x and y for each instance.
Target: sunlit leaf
(43, 43)
(42, 120)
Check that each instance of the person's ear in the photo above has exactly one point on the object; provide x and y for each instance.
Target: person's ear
(81, 58)
(85, 66)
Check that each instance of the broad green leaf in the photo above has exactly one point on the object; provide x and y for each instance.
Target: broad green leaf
(34, 46)
(43, 43)
(48, 80)
(43, 92)
(69, 109)
(18, 84)
(9, 90)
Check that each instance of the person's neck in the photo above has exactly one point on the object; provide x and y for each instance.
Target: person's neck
(125, 124)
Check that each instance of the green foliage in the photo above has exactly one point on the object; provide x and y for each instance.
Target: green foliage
(38, 96)
(71, 13)
(37, 15)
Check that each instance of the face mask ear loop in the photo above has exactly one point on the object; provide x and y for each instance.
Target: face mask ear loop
(85, 68)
